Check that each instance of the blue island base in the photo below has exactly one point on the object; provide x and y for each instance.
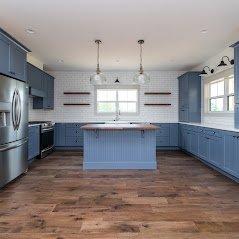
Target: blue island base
(119, 149)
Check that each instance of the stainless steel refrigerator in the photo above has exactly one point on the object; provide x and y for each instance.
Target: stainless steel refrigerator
(13, 129)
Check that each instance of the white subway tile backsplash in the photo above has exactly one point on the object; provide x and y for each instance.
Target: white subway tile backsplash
(80, 81)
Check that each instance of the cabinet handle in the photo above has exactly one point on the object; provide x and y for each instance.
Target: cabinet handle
(12, 72)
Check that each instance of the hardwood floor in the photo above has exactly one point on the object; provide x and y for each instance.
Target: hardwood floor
(182, 199)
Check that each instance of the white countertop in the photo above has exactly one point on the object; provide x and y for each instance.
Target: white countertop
(213, 126)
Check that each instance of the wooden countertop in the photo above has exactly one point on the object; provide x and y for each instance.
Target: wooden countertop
(119, 127)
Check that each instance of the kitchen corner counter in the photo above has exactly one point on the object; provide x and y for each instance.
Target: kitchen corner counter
(119, 127)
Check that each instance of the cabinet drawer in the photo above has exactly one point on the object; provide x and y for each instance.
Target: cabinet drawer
(74, 141)
(76, 131)
(162, 141)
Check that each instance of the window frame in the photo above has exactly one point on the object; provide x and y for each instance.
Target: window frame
(117, 88)
(208, 81)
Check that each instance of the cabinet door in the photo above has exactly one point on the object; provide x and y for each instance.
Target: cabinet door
(183, 114)
(236, 115)
(60, 135)
(194, 97)
(203, 146)
(4, 55)
(173, 130)
(188, 141)
(216, 149)
(34, 77)
(17, 62)
(232, 154)
(185, 91)
(236, 73)
(194, 143)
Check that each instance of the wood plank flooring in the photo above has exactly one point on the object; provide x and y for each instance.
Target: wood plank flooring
(182, 199)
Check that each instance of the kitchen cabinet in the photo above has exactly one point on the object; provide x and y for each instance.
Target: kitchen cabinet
(232, 153)
(173, 136)
(236, 83)
(60, 135)
(33, 141)
(167, 135)
(41, 87)
(12, 57)
(203, 146)
(190, 97)
(46, 102)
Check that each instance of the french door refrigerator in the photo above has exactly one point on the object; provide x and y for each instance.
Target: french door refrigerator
(13, 129)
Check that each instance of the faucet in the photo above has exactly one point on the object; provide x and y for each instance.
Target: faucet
(117, 115)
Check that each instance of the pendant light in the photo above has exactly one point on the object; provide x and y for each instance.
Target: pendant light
(98, 78)
(141, 77)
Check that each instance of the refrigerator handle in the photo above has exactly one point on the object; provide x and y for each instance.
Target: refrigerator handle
(18, 109)
(14, 110)
(6, 148)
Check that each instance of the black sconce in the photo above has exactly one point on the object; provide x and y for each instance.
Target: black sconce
(222, 63)
(204, 72)
(117, 80)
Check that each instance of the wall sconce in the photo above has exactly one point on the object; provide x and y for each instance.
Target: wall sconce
(204, 72)
(222, 63)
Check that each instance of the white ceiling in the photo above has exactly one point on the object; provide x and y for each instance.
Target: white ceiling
(65, 29)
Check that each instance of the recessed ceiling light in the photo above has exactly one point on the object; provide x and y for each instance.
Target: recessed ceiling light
(60, 61)
(117, 60)
(204, 31)
(30, 31)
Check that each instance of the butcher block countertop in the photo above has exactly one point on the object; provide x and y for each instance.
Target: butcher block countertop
(119, 127)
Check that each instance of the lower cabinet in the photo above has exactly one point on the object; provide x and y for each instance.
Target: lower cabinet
(68, 135)
(33, 141)
(217, 147)
(232, 153)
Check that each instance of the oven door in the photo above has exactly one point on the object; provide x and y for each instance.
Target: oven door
(47, 141)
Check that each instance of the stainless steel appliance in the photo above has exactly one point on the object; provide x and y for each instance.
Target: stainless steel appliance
(46, 137)
(13, 129)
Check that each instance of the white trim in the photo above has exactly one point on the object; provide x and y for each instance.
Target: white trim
(117, 87)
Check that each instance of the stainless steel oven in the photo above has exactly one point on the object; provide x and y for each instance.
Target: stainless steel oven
(46, 137)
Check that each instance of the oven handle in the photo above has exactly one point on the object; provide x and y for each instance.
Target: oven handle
(47, 130)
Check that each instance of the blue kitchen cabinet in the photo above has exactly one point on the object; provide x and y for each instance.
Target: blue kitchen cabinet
(4, 55)
(232, 153)
(190, 97)
(34, 77)
(60, 135)
(173, 135)
(12, 57)
(203, 146)
(236, 83)
(47, 86)
(236, 115)
(33, 141)
(216, 151)
(194, 141)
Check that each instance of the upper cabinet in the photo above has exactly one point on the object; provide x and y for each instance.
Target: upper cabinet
(41, 87)
(190, 97)
(236, 78)
(13, 57)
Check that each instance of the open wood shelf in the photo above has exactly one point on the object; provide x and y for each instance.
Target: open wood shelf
(75, 104)
(76, 93)
(157, 93)
(157, 104)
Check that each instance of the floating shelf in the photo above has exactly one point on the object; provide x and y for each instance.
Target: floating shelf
(157, 93)
(76, 93)
(157, 104)
(75, 104)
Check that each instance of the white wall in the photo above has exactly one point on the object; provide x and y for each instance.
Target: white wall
(80, 81)
(226, 121)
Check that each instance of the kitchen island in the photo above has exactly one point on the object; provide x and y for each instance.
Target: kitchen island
(119, 146)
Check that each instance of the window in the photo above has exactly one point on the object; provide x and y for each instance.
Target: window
(221, 95)
(123, 100)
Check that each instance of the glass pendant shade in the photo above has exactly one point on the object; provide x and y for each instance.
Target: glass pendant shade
(141, 78)
(98, 79)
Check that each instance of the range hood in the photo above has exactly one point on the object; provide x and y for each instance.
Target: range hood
(36, 93)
